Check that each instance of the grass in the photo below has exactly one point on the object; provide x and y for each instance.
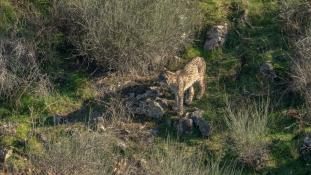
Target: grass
(258, 41)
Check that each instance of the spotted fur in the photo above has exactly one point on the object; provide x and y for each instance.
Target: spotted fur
(184, 79)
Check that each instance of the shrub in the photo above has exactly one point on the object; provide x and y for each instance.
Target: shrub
(84, 153)
(128, 36)
(302, 71)
(247, 125)
(19, 70)
(176, 160)
(295, 15)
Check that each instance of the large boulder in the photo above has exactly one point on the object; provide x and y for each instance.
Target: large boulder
(216, 37)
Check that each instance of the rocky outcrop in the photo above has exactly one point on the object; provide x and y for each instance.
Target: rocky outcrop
(147, 101)
(216, 37)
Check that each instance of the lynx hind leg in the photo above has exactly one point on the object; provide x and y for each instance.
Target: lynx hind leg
(202, 88)
(190, 94)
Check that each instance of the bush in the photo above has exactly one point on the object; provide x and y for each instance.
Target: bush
(85, 153)
(19, 70)
(247, 125)
(295, 15)
(128, 36)
(176, 160)
(302, 71)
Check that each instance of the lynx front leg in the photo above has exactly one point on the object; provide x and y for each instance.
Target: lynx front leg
(202, 88)
(180, 103)
(175, 107)
(190, 95)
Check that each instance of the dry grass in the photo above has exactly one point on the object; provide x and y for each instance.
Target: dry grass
(175, 159)
(19, 70)
(295, 15)
(247, 124)
(81, 153)
(302, 71)
(129, 36)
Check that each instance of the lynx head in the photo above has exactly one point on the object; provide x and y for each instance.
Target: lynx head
(166, 77)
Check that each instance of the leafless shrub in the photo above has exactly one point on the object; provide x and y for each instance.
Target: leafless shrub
(176, 160)
(302, 71)
(247, 124)
(84, 153)
(117, 110)
(295, 15)
(19, 70)
(129, 36)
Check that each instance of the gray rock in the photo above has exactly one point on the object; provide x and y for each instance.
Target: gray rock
(58, 120)
(41, 137)
(203, 127)
(305, 149)
(151, 108)
(5, 154)
(184, 126)
(216, 37)
(8, 129)
(154, 131)
(147, 94)
(197, 117)
(267, 70)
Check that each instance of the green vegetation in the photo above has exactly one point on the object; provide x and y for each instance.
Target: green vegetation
(57, 59)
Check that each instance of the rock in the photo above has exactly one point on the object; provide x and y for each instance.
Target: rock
(147, 94)
(267, 70)
(8, 129)
(122, 145)
(203, 127)
(184, 126)
(58, 120)
(256, 159)
(121, 167)
(154, 131)
(216, 37)
(41, 137)
(151, 108)
(5, 154)
(305, 149)
(165, 103)
(197, 117)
